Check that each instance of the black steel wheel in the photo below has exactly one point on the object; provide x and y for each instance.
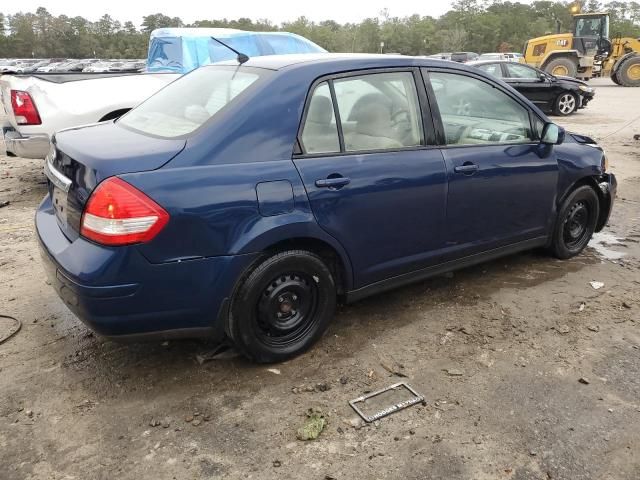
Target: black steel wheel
(282, 306)
(576, 225)
(576, 222)
(287, 307)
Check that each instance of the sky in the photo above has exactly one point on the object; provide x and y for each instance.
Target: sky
(277, 11)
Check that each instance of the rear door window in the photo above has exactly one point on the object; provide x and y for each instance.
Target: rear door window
(494, 69)
(521, 71)
(320, 131)
(377, 111)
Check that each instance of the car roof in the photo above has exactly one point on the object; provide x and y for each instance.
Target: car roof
(347, 60)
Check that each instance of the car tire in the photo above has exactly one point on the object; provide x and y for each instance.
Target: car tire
(565, 104)
(282, 306)
(576, 222)
(629, 72)
(567, 66)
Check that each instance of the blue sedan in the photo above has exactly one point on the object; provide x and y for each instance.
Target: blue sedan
(243, 201)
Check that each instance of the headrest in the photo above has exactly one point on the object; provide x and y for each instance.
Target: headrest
(320, 110)
(365, 103)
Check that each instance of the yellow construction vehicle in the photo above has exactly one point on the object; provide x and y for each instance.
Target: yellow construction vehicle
(623, 65)
(587, 51)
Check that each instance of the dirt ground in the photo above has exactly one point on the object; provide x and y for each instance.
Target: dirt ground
(497, 350)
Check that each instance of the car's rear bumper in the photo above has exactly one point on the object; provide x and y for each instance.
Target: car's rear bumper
(118, 293)
(31, 146)
(608, 186)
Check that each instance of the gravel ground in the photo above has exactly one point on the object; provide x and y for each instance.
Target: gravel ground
(497, 350)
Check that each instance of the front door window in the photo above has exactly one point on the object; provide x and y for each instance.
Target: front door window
(475, 112)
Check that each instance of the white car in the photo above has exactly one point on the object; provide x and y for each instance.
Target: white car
(49, 68)
(37, 107)
(9, 65)
(509, 57)
(98, 67)
(492, 56)
(515, 57)
(31, 67)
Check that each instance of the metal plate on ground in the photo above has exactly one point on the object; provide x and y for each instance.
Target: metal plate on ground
(397, 406)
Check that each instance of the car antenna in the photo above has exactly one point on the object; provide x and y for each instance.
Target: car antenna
(241, 57)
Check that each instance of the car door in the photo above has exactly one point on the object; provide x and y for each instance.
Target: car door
(502, 182)
(372, 180)
(531, 84)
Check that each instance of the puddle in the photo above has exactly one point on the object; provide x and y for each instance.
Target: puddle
(602, 243)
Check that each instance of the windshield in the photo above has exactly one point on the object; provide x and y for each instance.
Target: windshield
(186, 104)
(592, 27)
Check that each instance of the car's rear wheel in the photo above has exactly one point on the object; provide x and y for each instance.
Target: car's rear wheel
(282, 307)
(566, 104)
(576, 222)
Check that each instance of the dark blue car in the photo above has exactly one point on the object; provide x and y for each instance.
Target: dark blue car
(244, 201)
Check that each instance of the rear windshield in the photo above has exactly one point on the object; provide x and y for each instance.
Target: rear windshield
(186, 104)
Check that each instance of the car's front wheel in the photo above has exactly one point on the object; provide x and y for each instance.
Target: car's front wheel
(566, 104)
(282, 307)
(576, 222)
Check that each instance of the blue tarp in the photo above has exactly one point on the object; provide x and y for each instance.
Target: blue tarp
(181, 50)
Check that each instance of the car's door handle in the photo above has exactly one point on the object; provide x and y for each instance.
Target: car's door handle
(333, 182)
(466, 168)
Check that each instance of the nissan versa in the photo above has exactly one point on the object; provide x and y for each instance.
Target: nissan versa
(245, 199)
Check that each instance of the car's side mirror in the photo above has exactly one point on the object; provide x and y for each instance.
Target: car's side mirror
(552, 134)
(542, 77)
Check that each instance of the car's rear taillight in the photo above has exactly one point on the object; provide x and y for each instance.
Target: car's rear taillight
(24, 109)
(117, 213)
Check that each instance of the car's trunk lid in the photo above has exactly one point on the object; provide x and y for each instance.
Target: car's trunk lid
(80, 158)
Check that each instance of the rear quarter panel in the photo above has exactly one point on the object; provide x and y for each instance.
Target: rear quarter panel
(214, 210)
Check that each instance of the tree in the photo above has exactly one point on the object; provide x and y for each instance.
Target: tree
(22, 35)
(453, 40)
(158, 20)
(470, 25)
